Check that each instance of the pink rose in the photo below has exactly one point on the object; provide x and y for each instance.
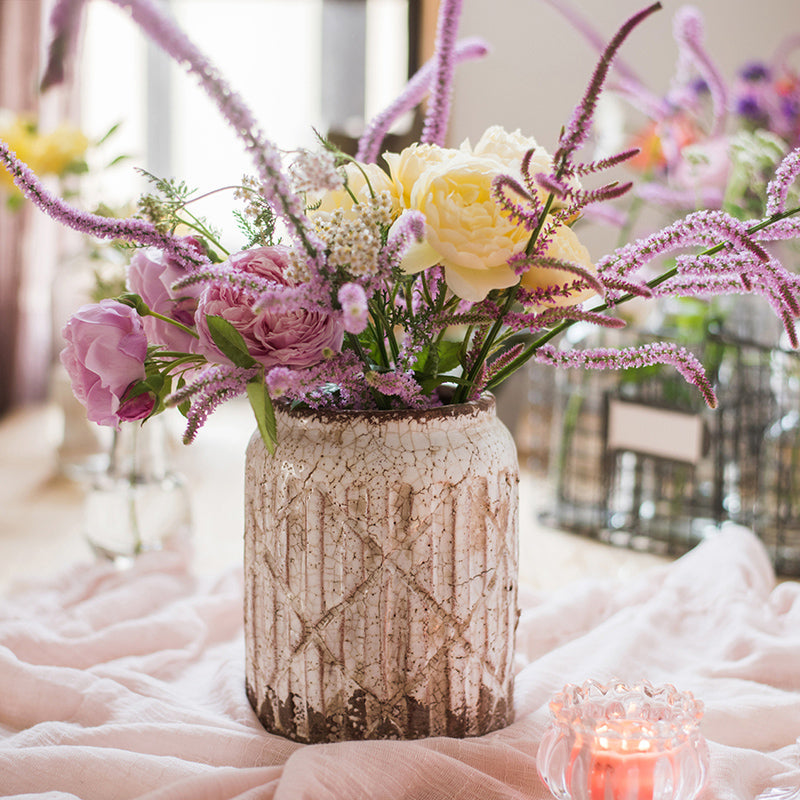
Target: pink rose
(105, 353)
(150, 275)
(295, 339)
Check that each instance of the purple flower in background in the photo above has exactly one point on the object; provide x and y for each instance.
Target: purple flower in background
(105, 353)
(274, 337)
(755, 72)
(150, 275)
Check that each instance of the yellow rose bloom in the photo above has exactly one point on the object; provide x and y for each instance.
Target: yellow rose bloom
(566, 246)
(465, 230)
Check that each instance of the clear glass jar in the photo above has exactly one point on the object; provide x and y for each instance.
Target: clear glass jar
(623, 741)
(138, 503)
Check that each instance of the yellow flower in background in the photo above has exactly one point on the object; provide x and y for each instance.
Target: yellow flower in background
(20, 133)
(55, 153)
(59, 151)
(566, 246)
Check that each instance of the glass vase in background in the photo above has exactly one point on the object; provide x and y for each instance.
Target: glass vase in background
(93, 271)
(138, 504)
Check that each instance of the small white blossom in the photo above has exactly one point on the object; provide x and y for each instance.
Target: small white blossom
(315, 172)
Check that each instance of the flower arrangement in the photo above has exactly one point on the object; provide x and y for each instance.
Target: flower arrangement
(427, 281)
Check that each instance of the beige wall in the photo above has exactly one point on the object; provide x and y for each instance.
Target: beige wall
(539, 65)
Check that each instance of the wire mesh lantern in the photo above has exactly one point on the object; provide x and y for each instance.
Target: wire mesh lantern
(639, 461)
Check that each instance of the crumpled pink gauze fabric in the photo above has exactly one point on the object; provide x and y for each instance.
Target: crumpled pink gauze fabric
(117, 685)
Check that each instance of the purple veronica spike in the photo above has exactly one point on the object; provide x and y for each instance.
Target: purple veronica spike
(596, 39)
(213, 386)
(779, 231)
(402, 385)
(131, 230)
(785, 176)
(522, 208)
(65, 20)
(550, 183)
(438, 113)
(522, 263)
(214, 274)
(545, 295)
(578, 128)
(275, 187)
(418, 86)
(689, 34)
(603, 164)
(553, 316)
(704, 228)
(626, 287)
(285, 299)
(503, 361)
(646, 355)
(581, 198)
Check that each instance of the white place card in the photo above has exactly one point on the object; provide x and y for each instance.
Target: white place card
(660, 432)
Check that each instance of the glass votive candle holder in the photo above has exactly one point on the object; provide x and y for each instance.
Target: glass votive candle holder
(622, 741)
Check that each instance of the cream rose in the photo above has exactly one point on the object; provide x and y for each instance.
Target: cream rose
(510, 148)
(465, 230)
(407, 166)
(565, 246)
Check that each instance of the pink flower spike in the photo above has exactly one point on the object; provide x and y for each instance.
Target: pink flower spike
(65, 22)
(645, 355)
(577, 129)
(778, 187)
(132, 229)
(689, 32)
(275, 186)
(369, 145)
(434, 130)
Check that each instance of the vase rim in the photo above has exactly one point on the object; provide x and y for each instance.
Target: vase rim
(486, 402)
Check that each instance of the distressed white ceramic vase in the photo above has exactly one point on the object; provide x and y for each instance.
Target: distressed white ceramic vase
(381, 574)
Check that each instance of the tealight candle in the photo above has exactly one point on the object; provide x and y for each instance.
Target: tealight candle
(621, 742)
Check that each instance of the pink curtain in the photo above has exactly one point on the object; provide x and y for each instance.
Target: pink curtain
(20, 26)
(29, 242)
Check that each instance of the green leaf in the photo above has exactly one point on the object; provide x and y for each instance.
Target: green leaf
(230, 342)
(449, 355)
(261, 403)
(110, 132)
(118, 160)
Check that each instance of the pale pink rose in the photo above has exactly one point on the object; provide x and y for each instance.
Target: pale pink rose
(105, 353)
(151, 275)
(297, 339)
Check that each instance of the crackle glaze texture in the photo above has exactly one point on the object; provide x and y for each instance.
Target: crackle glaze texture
(381, 574)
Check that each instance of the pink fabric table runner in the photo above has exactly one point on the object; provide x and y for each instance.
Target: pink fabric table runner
(119, 685)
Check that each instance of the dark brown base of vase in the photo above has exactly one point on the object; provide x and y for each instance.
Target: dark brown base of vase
(294, 719)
